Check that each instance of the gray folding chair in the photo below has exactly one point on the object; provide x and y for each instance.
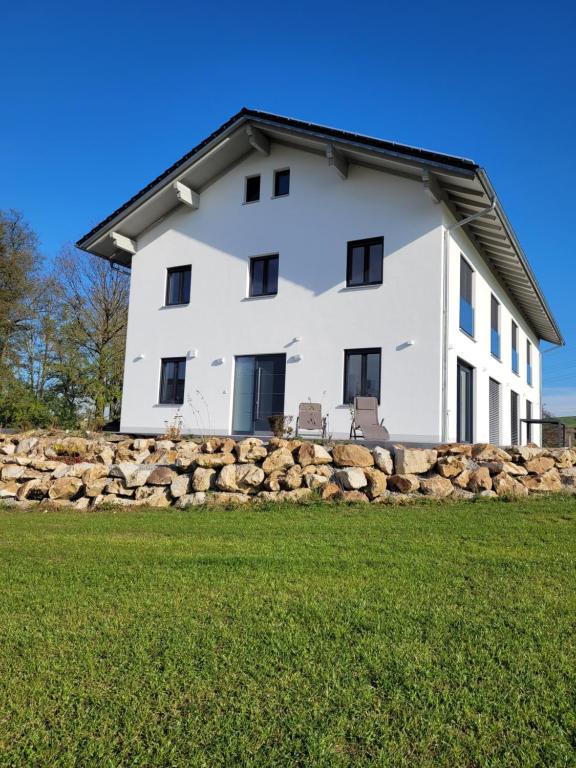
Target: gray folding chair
(310, 419)
(365, 420)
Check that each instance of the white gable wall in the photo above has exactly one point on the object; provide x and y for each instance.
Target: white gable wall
(309, 229)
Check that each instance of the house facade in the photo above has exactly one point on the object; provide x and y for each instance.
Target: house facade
(281, 262)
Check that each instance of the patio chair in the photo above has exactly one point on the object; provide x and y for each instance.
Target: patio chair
(310, 418)
(365, 420)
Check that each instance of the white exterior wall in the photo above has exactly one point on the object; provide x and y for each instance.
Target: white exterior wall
(309, 229)
(476, 351)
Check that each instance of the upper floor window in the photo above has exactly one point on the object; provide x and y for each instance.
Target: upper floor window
(466, 297)
(264, 276)
(172, 379)
(252, 189)
(365, 259)
(495, 327)
(515, 356)
(528, 362)
(178, 285)
(282, 183)
(361, 373)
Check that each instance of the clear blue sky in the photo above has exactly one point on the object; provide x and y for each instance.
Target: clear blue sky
(99, 98)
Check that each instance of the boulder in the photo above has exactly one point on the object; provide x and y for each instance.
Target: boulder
(487, 452)
(480, 480)
(8, 489)
(12, 472)
(331, 491)
(539, 465)
(505, 485)
(82, 504)
(454, 449)
(272, 481)
(72, 446)
(181, 484)
(437, 486)
(95, 487)
(191, 500)
(27, 445)
(132, 475)
(78, 470)
(568, 477)
(8, 450)
(414, 461)
(528, 452)
(214, 460)
(279, 460)
(564, 458)
(105, 455)
(354, 497)
(451, 466)
(404, 483)
(487, 494)
(383, 460)
(377, 482)
(319, 469)
(218, 445)
(461, 481)
(459, 494)
(251, 449)
(350, 455)
(158, 497)
(549, 481)
(351, 478)
(203, 479)
(94, 472)
(227, 499)
(293, 478)
(314, 482)
(496, 467)
(162, 476)
(159, 457)
(65, 488)
(34, 489)
(143, 443)
(312, 453)
(164, 445)
(240, 477)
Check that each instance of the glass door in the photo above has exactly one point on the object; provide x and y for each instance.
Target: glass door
(465, 400)
(259, 383)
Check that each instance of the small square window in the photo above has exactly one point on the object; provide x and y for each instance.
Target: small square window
(252, 192)
(264, 276)
(172, 378)
(281, 183)
(365, 262)
(178, 286)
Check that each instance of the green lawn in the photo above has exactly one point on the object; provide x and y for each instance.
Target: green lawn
(570, 421)
(429, 635)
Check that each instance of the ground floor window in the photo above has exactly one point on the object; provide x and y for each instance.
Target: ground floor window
(172, 377)
(465, 402)
(361, 374)
(494, 412)
(528, 425)
(514, 416)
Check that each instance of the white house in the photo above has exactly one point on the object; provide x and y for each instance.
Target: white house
(281, 261)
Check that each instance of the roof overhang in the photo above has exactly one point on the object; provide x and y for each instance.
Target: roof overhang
(457, 182)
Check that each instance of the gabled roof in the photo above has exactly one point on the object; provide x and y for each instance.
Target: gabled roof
(458, 182)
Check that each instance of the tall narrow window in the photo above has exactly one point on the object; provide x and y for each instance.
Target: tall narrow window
(364, 265)
(361, 374)
(466, 301)
(495, 327)
(172, 377)
(264, 276)
(515, 360)
(528, 425)
(494, 412)
(514, 417)
(465, 403)
(178, 285)
(528, 362)
(281, 183)
(252, 189)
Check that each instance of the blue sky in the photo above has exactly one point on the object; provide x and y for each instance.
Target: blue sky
(99, 98)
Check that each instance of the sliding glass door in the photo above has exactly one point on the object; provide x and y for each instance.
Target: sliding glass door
(465, 403)
(259, 383)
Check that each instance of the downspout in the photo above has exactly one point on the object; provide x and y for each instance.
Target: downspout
(445, 307)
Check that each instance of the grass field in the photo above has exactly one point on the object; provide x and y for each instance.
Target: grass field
(570, 421)
(433, 635)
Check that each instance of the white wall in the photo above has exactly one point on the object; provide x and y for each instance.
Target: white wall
(310, 230)
(476, 351)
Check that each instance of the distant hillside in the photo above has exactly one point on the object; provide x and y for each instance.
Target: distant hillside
(570, 421)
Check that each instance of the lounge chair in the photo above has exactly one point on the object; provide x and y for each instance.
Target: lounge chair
(365, 420)
(310, 418)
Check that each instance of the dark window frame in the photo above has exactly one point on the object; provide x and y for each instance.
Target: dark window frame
(514, 422)
(266, 261)
(171, 398)
(251, 178)
(515, 353)
(464, 262)
(494, 303)
(281, 172)
(170, 272)
(529, 371)
(465, 432)
(364, 351)
(366, 244)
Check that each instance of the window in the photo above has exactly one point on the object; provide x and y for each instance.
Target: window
(494, 412)
(178, 286)
(515, 361)
(364, 265)
(495, 327)
(464, 402)
(514, 416)
(264, 276)
(528, 362)
(528, 425)
(172, 380)
(361, 374)
(466, 302)
(281, 183)
(252, 189)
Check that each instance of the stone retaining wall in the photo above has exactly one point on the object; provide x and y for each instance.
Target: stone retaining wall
(56, 470)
